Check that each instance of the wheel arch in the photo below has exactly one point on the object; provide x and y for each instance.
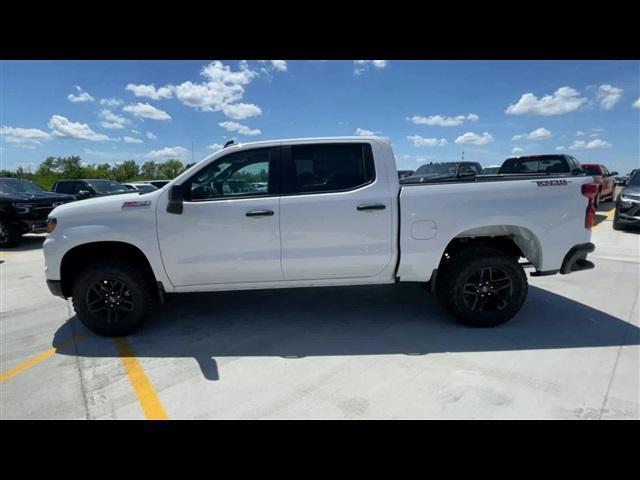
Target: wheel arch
(79, 257)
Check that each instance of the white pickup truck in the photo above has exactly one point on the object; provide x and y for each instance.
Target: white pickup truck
(312, 213)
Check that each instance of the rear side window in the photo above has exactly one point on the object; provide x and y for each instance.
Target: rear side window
(328, 167)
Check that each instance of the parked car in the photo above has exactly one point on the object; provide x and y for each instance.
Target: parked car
(444, 170)
(405, 173)
(628, 204)
(140, 187)
(155, 183)
(541, 164)
(334, 214)
(604, 179)
(81, 188)
(624, 180)
(491, 170)
(24, 207)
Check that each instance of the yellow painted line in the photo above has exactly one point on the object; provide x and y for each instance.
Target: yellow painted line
(33, 361)
(145, 392)
(608, 215)
(4, 254)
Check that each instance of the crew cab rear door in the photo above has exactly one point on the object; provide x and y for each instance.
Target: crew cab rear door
(335, 212)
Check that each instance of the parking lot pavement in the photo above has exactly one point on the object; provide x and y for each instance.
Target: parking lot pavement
(360, 352)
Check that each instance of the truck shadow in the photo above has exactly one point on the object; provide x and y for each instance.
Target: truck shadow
(369, 320)
(27, 242)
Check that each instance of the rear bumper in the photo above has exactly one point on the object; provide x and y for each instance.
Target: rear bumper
(55, 287)
(576, 259)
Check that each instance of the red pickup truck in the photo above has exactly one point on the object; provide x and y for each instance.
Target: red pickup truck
(604, 179)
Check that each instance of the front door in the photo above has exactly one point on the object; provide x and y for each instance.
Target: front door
(229, 229)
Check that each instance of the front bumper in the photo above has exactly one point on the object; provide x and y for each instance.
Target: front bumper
(55, 287)
(576, 259)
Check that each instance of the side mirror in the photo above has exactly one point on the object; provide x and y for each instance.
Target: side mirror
(176, 200)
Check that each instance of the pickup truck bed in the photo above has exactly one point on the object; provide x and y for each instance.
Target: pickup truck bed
(317, 212)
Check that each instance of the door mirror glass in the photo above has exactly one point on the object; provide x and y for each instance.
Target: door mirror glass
(176, 200)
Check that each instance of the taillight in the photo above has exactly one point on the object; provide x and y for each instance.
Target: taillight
(589, 190)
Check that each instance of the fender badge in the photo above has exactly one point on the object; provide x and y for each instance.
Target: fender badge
(144, 204)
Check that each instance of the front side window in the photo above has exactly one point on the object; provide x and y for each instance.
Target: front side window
(330, 167)
(240, 174)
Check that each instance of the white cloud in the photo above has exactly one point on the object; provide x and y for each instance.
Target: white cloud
(363, 132)
(636, 104)
(27, 137)
(560, 148)
(131, 140)
(517, 150)
(597, 143)
(216, 71)
(241, 129)
(608, 96)
(362, 66)
(168, 152)
(150, 91)
(579, 133)
(214, 146)
(111, 102)
(419, 141)
(538, 134)
(475, 139)
(137, 132)
(564, 100)
(112, 120)
(240, 111)
(280, 65)
(81, 97)
(151, 136)
(145, 110)
(444, 121)
(63, 127)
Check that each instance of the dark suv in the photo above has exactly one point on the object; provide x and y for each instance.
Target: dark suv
(81, 189)
(24, 207)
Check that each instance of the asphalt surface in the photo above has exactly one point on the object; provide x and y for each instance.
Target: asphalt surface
(348, 353)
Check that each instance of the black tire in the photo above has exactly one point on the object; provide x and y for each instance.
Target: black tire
(9, 234)
(482, 286)
(596, 201)
(123, 286)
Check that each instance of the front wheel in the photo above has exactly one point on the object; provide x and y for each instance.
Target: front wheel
(113, 298)
(482, 286)
(9, 235)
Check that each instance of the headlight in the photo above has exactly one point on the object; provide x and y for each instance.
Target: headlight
(51, 224)
(22, 207)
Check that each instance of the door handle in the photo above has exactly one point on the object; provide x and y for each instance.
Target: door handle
(259, 213)
(372, 206)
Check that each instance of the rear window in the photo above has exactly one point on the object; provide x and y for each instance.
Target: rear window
(330, 168)
(535, 165)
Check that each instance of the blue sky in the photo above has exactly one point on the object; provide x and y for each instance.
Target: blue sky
(109, 111)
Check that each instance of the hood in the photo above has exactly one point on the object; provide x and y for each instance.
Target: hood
(632, 190)
(36, 197)
(107, 203)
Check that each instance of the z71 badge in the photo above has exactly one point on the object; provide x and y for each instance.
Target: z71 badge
(551, 183)
(144, 204)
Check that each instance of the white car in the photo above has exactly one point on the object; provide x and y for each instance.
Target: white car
(334, 213)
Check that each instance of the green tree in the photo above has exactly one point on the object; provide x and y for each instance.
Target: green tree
(125, 171)
(170, 169)
(149, 170)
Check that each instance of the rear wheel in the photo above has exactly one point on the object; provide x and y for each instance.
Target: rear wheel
(596, 201)
(9, 235)
(482, 286)
(113, 298)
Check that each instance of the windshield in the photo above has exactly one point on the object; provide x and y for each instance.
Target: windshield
(634, 181)
(17, 185)
(107, 186)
